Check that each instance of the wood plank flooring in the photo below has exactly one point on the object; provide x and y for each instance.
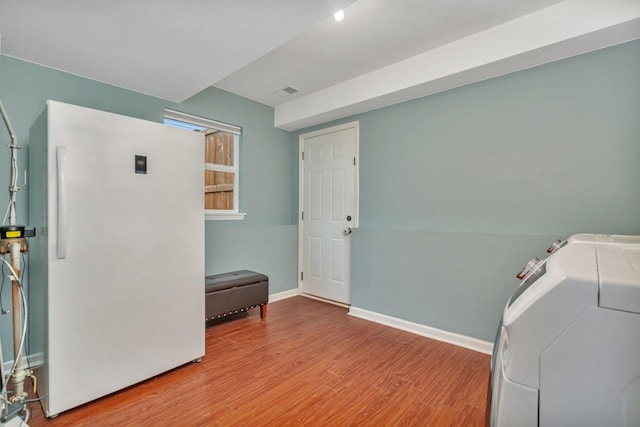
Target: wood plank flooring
(307, 364)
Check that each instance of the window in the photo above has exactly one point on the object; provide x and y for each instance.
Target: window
(221, 167)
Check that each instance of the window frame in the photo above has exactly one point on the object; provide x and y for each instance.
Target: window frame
(236, 131)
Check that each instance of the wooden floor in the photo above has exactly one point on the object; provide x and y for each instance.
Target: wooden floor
(307, 364)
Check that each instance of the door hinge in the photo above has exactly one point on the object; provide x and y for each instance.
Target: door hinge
(302, 215)
(301, 275)
(354, 161)
(303, 155)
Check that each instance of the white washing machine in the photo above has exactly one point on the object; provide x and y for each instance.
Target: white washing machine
(567, 351)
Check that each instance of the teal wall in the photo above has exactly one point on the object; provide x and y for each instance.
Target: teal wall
(266, 240)
(459, 189)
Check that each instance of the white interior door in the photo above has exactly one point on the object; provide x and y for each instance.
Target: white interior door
(329, 211)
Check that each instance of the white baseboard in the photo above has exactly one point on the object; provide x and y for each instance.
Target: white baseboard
(284, 295)
(32, 361)
(425, 331)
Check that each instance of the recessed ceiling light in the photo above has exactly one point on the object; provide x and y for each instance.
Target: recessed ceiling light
(339, 15)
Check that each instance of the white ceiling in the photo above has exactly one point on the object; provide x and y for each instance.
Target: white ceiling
(384, 51)
(168, 49)
(374, 34)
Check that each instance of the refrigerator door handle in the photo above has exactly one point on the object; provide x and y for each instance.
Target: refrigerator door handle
(63, 205)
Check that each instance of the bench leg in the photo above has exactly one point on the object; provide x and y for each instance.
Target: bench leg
(263, 311)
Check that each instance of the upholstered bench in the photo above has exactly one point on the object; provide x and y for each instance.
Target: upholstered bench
(234, 292)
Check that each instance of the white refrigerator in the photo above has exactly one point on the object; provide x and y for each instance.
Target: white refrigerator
(116, 270)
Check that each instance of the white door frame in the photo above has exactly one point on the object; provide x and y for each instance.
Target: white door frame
(356, 214)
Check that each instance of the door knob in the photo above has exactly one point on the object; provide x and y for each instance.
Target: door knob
(347, 231)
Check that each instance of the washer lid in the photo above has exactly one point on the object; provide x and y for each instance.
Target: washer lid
(619, 271)
(617, 239)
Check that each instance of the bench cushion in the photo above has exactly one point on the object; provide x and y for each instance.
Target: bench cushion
(234, 292)
(218, 282)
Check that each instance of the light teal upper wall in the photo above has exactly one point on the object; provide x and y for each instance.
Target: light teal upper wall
(268, 237)
(24, 89)
(265, 154)
(265, 151)
(552, 149)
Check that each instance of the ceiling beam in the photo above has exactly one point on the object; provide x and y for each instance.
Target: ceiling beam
(563, 30)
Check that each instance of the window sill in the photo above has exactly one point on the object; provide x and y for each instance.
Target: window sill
(216, 215)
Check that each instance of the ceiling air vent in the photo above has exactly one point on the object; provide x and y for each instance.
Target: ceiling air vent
(286, 91)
